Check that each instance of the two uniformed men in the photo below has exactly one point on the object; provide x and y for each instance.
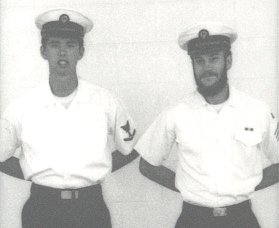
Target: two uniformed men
(221, 134)
(67, 128)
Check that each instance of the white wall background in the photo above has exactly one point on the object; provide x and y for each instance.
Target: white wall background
(133, 52)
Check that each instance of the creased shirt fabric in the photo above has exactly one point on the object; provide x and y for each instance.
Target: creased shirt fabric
(220, 155)
(66, 148)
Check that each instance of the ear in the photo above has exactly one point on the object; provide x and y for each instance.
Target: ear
(81, 52)
(229, 61)
(43, 52)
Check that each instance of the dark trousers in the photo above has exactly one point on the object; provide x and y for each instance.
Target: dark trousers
(47, 209)
(238, 216)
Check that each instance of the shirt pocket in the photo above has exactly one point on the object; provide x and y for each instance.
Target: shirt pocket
(248, 138)
(247, 156)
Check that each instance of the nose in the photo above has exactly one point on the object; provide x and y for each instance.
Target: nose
(62, 51)
(207, 64)
(208, 67)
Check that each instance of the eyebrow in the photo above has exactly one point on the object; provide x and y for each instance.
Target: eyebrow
(68, 41)
(54, 41)
(214, 54)
(211, 55)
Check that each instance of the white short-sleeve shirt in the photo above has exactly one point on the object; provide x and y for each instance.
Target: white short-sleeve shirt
(66, 148)
(221, 154)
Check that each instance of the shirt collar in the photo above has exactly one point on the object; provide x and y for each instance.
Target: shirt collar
(47, 98)
(196, 100)
(83, 95)
(235, 99)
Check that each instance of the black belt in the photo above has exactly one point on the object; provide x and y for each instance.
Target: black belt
(48, 193)
(217, 211)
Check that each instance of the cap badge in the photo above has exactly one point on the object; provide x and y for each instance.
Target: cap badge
(203, 34)
(64, 18)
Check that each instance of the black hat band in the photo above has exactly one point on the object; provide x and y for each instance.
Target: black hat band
(208, 44)
(62, 29)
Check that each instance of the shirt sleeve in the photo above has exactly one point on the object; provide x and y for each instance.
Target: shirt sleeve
(9, 140)
(122, 128)
(270, 144)
(156, 143)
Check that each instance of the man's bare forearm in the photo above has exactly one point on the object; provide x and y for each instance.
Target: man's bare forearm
(119, 160)
(270, 177)
(159, 174)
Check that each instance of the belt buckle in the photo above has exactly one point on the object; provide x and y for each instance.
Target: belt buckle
(220, 211)
(69, 194)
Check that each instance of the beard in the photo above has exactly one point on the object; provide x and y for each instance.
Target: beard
(218, 86)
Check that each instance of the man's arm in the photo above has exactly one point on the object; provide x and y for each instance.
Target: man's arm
(276, 133)
(159, 174)
(8, 145)
(270, 177)
(119, 160)
(11, 167)
(270, 173)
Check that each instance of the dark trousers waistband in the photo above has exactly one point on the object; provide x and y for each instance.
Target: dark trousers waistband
(46, 208)
(218, 211)
(48, 193)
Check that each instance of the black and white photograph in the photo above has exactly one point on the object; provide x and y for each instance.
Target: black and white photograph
(139, 114)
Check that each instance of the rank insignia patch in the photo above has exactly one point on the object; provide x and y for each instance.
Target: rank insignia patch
(127, 129)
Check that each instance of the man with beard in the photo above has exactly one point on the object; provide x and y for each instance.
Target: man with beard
(66, 129)
(222, 137)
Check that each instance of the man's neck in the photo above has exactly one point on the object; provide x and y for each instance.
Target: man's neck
(220, 97)
(63, 88)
